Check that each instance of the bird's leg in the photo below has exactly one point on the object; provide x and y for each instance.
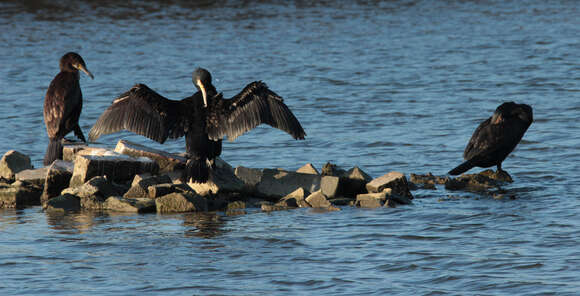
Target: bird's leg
(503, 175)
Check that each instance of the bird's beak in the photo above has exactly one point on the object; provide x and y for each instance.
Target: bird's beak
(82, 68)
(203, 93)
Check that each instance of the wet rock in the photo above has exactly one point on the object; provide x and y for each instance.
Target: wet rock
(308, 169)
(19, 194)
(167, 161)
(354, 182)
(427, 180)
(268, 207)
(279, 183)
(94, 192)
(65, 202)
(373, 200)
(297, 198)
(394, 180)
(34, 176)
(141, 182)
(119, 168)
(501, 176)
(57, 179)
(13, 162)
(390, 203)
(330, 169)
(131, 205)
(473, 182)
(236, 205)
(180, 203)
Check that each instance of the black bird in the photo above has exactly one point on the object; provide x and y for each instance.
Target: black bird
(204, 118)
(63, 104)
(496, 137)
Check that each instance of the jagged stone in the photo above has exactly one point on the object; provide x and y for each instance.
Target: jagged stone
(318, 200)
(119, 168)
(308, 169)
(57, 179)
(395, 180)
(141, 182)
(330, 169)
(278, 183)
(34, 176)
(94, 192)
(19, 194)
(132, 205)
(65, 202)
(167, 161)
(297, 198)
(13, 162)
(180, 203)
(330, 186)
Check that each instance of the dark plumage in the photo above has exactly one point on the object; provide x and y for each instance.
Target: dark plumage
(63, 104)
(496, 137)
(204, 118)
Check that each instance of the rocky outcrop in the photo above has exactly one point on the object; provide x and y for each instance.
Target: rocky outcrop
(19, 194)
(130, 205)
(118, 168)
(167, 161)
(296, 199)
(319, 200)
(94, 192)
(394, 180)
(477, 182)
(13, 162)
(141, 182)
(278, 183)
(180, 203)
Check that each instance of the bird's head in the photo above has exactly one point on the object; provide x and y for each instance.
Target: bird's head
(512, 110)
(202, 80)
(72, 61)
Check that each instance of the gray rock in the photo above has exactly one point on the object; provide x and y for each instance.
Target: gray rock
(394, 180)
(131, 205)
(65, 202)
(34, 176)
(167, 161)
(222, 179)
(278, 183)
(180, 203)
(13, 162)
(93, 193)
(119, 168)
(19, 195)
(318, 200)
(141, 182)
(308, 169)
(57, 179)
(330, 186)
(251, 177)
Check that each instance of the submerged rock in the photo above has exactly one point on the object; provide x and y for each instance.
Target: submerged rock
(13, 162)
(130, 205)
(180, 203)
(65, 202)
(19, 194)
(477, 182)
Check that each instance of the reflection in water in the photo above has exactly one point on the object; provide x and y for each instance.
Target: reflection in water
(74, 222)
(205, 225)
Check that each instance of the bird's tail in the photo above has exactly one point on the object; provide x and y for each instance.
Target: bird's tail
(53, 151)
(197, 170)
(462, 168)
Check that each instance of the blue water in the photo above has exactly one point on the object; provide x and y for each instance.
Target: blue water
(383, 85)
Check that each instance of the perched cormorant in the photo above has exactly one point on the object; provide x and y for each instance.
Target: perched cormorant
(496, 137)
(63, 104)
(204, 118)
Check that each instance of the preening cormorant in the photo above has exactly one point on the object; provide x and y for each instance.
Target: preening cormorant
(496, 137)
(63, 104)
(204, 118)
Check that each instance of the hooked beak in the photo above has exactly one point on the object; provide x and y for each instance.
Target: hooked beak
(203, 93)
(82, 68)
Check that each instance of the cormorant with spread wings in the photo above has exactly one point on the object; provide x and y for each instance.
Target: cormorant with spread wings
(496, 137)
(204, 118)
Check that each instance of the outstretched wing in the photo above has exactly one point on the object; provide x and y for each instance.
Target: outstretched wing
(254, 105)
(142, 111)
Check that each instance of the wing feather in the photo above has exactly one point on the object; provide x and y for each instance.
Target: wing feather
(254, 105)
(142, 111)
